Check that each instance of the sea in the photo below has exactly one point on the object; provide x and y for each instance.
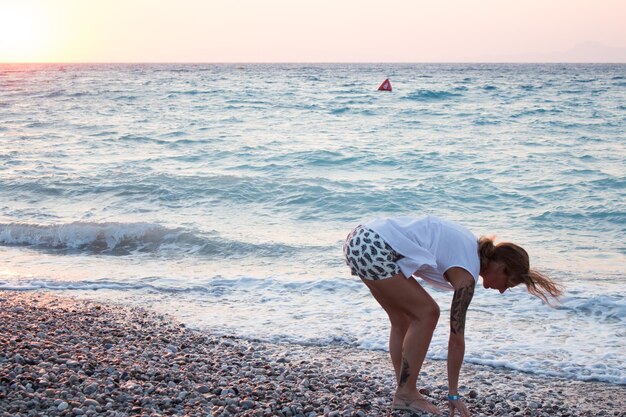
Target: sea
(221, 194)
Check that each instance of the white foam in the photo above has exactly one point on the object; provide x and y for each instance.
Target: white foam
(80, 235)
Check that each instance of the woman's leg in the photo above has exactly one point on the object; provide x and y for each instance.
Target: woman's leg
(399, 325)
(396, 340)
(405, 300)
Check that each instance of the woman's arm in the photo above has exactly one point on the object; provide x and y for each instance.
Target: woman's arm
(463, 284)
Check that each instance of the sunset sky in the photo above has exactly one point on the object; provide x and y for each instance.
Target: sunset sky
(312, 30)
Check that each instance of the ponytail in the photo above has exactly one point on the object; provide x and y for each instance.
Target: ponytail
(517, 264)
(542, 286)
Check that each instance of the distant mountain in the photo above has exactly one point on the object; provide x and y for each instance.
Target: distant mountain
(583, 52)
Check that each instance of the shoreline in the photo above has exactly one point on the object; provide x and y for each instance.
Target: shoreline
(61, 356)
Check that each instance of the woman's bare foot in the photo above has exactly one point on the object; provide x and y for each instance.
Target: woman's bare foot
(416, 403)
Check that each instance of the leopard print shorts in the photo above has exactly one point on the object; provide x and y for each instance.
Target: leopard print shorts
(369, 256)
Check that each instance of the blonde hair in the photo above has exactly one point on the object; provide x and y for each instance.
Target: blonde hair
(517, 268)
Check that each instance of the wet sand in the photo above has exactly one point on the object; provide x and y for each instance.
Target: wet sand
(61, 356)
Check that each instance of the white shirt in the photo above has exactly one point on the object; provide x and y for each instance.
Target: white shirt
(430, 247)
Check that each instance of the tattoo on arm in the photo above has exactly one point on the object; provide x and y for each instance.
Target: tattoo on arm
(404, 372)
(460, 303)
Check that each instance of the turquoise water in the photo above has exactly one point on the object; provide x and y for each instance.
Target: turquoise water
(222, 193)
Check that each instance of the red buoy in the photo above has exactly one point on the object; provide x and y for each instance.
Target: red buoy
(385, 86)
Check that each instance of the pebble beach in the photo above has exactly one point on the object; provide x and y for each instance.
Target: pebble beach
(60, 356)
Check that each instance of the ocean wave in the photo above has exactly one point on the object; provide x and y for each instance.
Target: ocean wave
(103, 133)
(119, 239)
(316, 158)
(573, 371)
(614, 183)
(33, 125)
(340, 110)
(142, 139)
(336, 340)
(430, 95)
(36, 188)
(55, 93)
(609, 308)
(483, 121)
(534, 112)
(304, 197)
(218, 287)
(126, 97)
(589, 214)
(175, 134)
(195, 92)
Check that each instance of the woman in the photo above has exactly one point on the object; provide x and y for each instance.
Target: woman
(387, 253)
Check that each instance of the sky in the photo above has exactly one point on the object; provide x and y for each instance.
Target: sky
(312, 31)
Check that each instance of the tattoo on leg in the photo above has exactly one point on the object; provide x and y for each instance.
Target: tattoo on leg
(404, 372)
(460, 303)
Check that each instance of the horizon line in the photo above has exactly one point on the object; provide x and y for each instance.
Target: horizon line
(295, 62)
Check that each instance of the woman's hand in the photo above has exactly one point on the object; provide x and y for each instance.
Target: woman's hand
(458, 405)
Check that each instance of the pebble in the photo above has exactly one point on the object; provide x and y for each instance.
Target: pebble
(90, 389)
(89, 402)
(203, 389)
